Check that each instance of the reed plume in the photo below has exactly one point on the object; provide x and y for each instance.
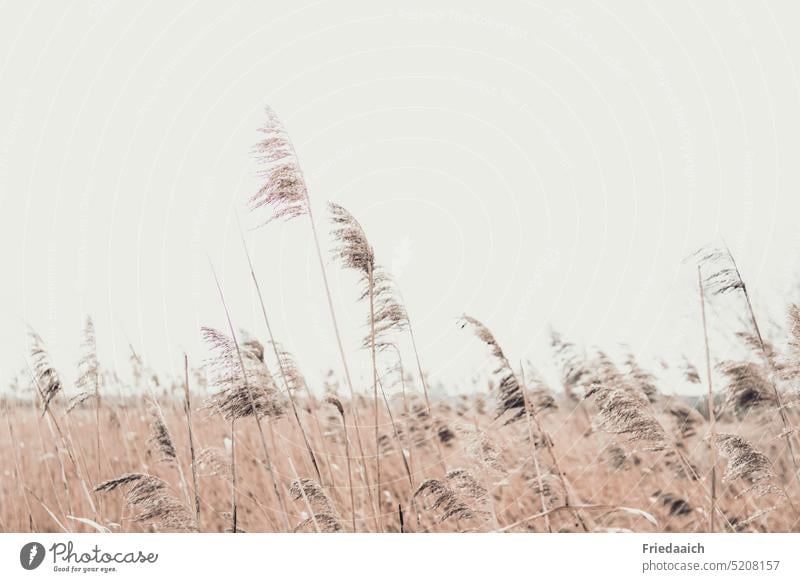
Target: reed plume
(390, 314)
(723, 276)
(245, 389)
(627, 413)
(641, 378)
(150, 500)
(458, 497)
(510, 399)
(572, 364)
(323, 514)
(46, 376)
(160, 440)
(484, 451)
(296, 381)
(549, 488)
(88, 381)
(284, 194)
(48, 384)
(214, 461)
(674, 504)
(747, 387)
(690, 372)
(354, 252)
(618, 458)
(540, 396)
(161, 443)
(235, 387)
(686, 418)
(794, 330)
(256, 400)
(745, 462)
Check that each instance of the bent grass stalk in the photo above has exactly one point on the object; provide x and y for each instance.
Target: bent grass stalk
(188, 411)
(267, 457)
(532, 442)
(788, 430)
(710, 406)
(278, 358)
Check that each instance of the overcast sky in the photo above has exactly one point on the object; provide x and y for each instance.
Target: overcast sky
(528, 163)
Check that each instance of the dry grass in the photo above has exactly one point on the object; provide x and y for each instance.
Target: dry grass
(266, 451)
(615, 481)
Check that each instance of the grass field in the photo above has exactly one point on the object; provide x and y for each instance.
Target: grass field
(241, 443)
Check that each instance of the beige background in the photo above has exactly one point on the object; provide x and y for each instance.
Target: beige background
(526, 162)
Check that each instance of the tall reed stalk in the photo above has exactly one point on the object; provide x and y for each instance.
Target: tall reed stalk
(187, 408)
(252, 402)
(788, 430)
(289, 391)
(285, 194)
(425, 391)
(397, 438)
(340, 409)
(234, 507)
(371, 283)
(510, 400)
(48, 385)
(727, 278)
(355, 252)
(709, 405)
(532, 443)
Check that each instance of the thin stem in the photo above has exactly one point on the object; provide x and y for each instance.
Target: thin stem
(554, 510)
(66, 444)
(304, 496)
(425, 392)
(312, 404)
(97, 419)
(278, 357)
(778, 400)
(233, 476)
(548, 443)
(710, 405)
(397, 436)
(406, 411)
(50, 473)
(267, 457)
(689, 469)
(371, 282)
(349, 473)
(353, 407)
(17, 465)
(187, 407)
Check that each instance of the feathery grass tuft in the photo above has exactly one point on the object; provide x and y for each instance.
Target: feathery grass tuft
(283, 194)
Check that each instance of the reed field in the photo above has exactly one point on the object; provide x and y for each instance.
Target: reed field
(241, 442)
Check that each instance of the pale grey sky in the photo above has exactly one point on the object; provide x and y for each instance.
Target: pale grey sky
(529, 163)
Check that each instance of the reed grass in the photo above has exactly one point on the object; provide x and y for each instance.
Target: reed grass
(608, 450)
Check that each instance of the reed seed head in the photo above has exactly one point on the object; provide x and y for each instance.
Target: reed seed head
(284, 193)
